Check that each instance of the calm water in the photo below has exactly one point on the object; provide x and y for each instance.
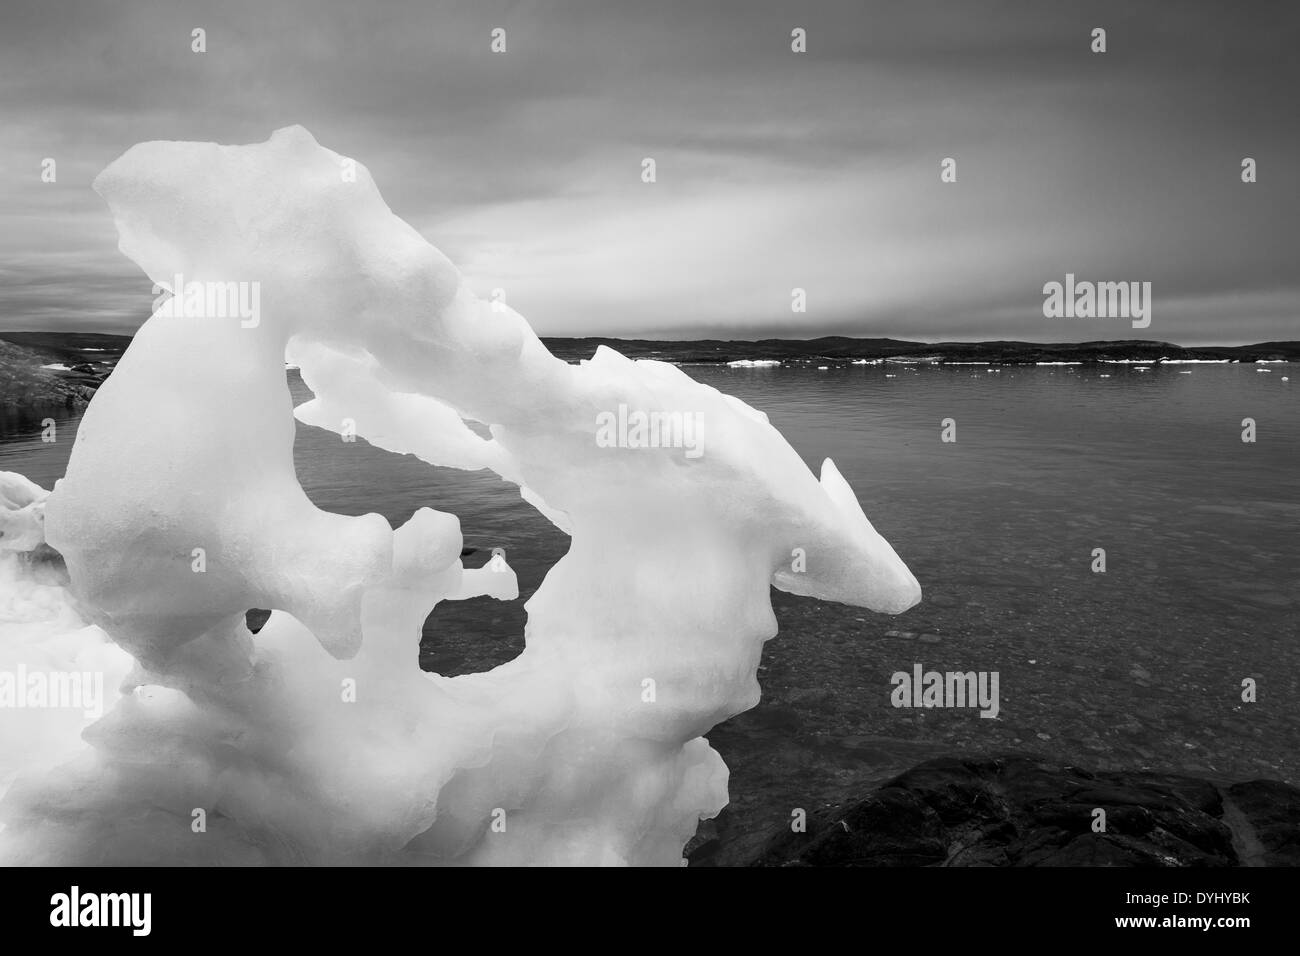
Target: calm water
(1138, 667)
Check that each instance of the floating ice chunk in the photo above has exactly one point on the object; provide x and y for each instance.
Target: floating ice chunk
(319, 739)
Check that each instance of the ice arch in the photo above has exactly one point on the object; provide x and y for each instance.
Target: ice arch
(320, 740)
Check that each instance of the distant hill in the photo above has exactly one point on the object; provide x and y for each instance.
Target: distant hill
(841, 350)
(88, 357)
(25, 384)
(69, 345)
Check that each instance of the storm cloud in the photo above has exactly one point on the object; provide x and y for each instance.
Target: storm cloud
(775, 170)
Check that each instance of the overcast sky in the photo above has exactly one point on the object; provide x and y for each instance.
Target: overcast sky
(775, 170)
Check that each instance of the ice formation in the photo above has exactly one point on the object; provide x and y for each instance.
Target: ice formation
(22, 513)
(319, 739)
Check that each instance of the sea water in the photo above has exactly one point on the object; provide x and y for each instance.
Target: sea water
(1139, 665)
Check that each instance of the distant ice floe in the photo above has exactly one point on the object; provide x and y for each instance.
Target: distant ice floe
(1058, 363)
(57, 367)
(754, 363)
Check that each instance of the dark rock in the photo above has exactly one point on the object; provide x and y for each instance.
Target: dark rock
(1020, 810)
(24, 384)
(1266, 814)
(705, 843)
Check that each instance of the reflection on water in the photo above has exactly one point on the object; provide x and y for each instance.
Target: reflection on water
(28, 445)
(1138, 667)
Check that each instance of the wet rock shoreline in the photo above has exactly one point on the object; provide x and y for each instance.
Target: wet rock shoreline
(1023, 810)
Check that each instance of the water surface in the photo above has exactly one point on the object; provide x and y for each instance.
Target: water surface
(1141, 666)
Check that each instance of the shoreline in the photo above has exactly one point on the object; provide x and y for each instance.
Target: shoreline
(1022, 809)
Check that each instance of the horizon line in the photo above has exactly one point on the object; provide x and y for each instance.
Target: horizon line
(861, 338)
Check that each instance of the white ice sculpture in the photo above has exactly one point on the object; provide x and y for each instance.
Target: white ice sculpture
(319, 739)
(22, 513)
